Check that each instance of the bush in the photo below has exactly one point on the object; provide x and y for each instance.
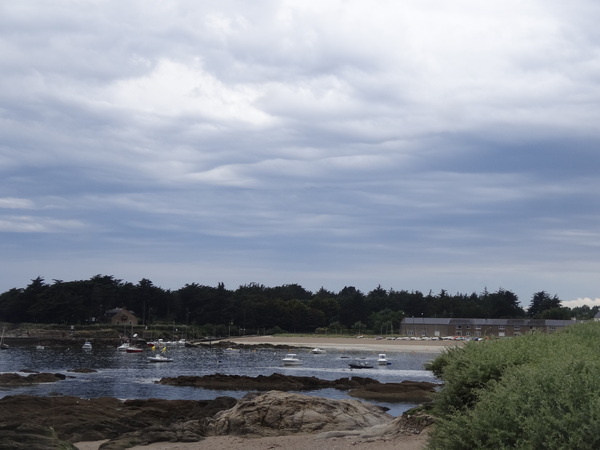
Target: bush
(276, 330)
(536, 391)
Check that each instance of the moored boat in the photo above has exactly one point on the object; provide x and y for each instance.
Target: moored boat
(133, 349)
(159, 357)
(382, 360)
(123, 347)
(291, 360)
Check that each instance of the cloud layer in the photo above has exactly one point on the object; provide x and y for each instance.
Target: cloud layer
(422, 145)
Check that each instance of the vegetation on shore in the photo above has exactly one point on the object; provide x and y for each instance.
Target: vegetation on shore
(533, 391)
(257, 309)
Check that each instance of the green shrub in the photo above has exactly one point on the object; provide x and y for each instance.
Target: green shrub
(538, 392)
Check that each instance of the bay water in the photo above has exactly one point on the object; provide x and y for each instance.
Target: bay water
(131, 376)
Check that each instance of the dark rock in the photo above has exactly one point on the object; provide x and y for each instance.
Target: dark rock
(14, 379)
(82, 370)
(406, 391)
(275, 381)
(124, 423)
(30, 436)
(363, 387)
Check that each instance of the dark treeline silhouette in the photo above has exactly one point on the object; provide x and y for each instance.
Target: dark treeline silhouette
(255, 308)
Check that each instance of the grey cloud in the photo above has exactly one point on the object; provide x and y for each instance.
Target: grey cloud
(420, 147)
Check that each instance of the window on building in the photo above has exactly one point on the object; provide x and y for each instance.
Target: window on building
(501, 327)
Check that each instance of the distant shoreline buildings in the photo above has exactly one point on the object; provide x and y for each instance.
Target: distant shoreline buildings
(479, 328)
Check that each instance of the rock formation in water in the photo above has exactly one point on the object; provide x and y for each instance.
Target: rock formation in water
(14, 379)
(362, 387)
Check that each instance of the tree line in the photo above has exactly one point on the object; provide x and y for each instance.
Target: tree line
(255, 308)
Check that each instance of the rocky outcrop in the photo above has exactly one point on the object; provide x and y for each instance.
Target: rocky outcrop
(394, 431)
(271, 382)
(14, 379)
(362, 387)
(31, 436)
(54, 422)
(276, 413)
(406, 391)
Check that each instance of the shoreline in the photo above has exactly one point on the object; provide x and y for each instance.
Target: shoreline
(348, 343)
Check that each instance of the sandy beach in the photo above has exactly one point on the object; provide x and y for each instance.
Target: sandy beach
(313, 442)
(350, 343)
(297, 442)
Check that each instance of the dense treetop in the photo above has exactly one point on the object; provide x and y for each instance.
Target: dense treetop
(254, 307)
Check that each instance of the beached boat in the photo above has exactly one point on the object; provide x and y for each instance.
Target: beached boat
(291, 360)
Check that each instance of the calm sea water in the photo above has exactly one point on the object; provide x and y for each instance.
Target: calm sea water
(131, 376)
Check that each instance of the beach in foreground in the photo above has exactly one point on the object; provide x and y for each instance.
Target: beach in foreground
(314, 442)
(297, 442)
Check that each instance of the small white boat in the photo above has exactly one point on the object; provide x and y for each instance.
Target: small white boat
(291, 360)
(159, 358)
(317, 351)
(382, 359)
(39, 347)
(87, 345)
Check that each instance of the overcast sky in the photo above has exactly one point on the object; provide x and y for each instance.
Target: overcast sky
(419, 145)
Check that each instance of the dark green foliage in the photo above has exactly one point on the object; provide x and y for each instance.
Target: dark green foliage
(254, 307)
(541, 302)
(533, 392)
